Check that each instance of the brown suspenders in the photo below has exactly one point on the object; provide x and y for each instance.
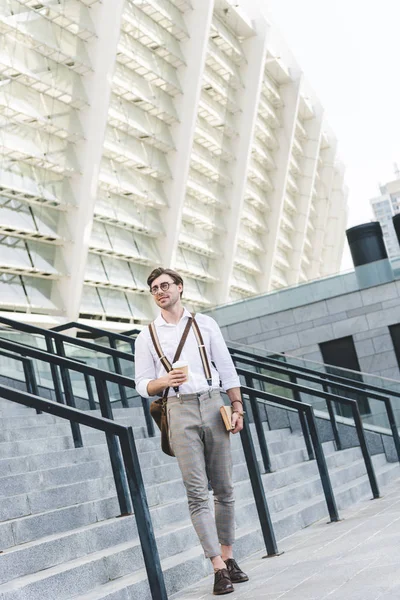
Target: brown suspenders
(164, 360)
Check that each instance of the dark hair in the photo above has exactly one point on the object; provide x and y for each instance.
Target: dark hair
(161, 271)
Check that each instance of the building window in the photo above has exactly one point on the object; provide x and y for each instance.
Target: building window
(394, 331)
(341, 353)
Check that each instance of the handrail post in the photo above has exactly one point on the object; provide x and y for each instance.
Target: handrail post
(255, 409)
(332, 419)
(55, 374)
(303, 422)
(393, 425)
(143, 519)
(30, 378)
(117, 367)
(258, 490)
(113, 448)
(89, 389)
(147, 415)
(364, 449)
(69, 395)
(322, 466)
(145, 405)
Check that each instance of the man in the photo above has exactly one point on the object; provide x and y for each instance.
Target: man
(198, 436)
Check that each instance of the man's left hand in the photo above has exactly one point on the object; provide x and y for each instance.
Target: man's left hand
(237, 423)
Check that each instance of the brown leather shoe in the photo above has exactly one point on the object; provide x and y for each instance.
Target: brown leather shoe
(222, 583)
(235, 572)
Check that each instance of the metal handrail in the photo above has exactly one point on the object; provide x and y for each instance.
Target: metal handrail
(95, 330)
(329, 377)
(345, 387)
(29, 372)
(59, 339)
(326, 395)
(101, 377)
(130, 332)
(49, 333)
(307, 409)
(112, 340)
(131, 468)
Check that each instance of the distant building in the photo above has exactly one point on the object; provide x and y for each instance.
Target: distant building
(384, 207)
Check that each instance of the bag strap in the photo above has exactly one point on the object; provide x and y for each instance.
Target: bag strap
(156, 342)
(203, 353)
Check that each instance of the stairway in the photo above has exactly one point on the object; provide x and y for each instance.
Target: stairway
(59, 527)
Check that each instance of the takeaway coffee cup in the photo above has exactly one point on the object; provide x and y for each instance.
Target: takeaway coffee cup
(182, 365)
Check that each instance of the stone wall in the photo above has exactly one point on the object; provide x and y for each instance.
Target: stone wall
(363, 314)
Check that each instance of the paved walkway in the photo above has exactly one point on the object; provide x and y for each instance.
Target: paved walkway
(355, 559)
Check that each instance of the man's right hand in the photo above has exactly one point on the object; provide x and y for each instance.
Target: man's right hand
(174, 378)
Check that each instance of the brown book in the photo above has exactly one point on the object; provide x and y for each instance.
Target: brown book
(226, 413)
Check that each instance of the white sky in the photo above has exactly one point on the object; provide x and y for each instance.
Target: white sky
(349, 51)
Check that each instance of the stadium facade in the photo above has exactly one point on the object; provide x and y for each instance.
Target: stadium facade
(144, 132)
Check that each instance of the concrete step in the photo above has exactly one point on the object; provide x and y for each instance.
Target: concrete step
(160, 495)
(56, 443)
(13, 485)
(60, 429)
(37, 462)
(32, 527)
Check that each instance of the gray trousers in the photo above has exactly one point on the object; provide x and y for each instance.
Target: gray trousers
(201, 445)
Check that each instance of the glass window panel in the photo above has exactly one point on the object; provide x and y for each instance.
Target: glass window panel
(118, 272)
(115, 303)
(144, 57)
(140, 274)
(11, 291)
(53, 36)
(132, 149)
(47, 221)
(127, 212)
(15, 215)
(90, 302)
(132, 244)
(13, 253)
(140, 306)
(147, 248)
(139, 120)
(36, 67)
(137, 86)
(99, 237)
(42, 255)
(145, 188)
(95, 269)
(39, 292)
(194, 289)
(122, 240)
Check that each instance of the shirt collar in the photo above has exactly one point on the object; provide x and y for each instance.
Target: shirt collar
(160, 322)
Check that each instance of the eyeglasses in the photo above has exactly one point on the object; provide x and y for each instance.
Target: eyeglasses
(164, 286)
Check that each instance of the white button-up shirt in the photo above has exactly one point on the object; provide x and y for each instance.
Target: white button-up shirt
(148, 366)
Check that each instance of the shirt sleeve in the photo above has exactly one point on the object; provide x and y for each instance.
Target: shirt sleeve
(222, 358)
(145, 369)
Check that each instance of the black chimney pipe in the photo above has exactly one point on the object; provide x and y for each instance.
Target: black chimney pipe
(396, 225)
(368, 251)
